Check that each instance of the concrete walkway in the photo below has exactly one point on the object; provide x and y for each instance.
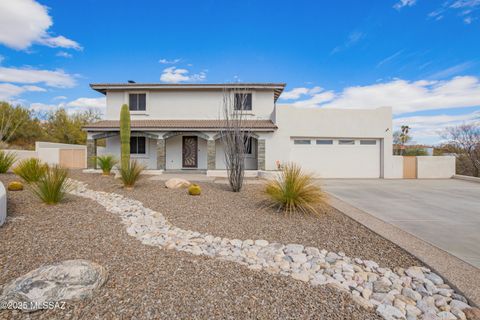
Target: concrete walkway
(445, 213)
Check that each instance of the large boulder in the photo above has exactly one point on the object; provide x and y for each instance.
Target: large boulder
(177, 183)
(58, 282)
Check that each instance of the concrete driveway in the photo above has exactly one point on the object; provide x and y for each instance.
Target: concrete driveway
(445, 213)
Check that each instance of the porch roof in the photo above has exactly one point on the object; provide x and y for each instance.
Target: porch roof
(144, 125)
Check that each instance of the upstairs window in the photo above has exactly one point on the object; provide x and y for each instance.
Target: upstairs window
(137, 101)
(243, 101)
(137, 145)
(346, 141)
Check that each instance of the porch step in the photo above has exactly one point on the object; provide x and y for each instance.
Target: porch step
(185, 171)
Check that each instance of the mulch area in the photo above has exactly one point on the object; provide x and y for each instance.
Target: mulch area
(243, 215)
(147, 282)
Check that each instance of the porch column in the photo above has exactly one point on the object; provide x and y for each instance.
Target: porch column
(211, 154)
(91, 154)
(261, 154)
(161, 154)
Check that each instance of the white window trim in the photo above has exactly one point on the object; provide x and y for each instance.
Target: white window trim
(126, 100)
(245, 112)
(146, 155)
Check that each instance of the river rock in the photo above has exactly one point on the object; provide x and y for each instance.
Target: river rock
(62, 281)
(177, 183)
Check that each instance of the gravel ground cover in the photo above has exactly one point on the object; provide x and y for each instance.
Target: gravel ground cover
(147, 282)
(220, 212)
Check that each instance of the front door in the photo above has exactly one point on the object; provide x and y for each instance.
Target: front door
(190, 152)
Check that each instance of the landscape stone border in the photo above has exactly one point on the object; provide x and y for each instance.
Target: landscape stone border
(410, 293)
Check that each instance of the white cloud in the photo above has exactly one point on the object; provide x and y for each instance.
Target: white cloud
(77, 105)
(296, 93)
(389, 58)
(175, 75)
(429, 128)
(64, 54)
(24, 22)
(403, 96)
(466, 9)
(59, 98)
(451, 71)
(9, 91)
(166, 61)
(353, 38)
(404, 3)
(1, 58)
(53, 78)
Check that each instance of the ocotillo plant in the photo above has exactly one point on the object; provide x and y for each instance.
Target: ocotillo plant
(125, 136)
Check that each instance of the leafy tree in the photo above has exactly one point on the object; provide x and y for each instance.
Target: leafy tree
(400, 138)
(18, 125)
(67, 128)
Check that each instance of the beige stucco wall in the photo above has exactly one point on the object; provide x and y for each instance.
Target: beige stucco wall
(186, 104)
(429, 167)
(330, 123)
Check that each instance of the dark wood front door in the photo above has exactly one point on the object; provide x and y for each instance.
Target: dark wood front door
(190, 152)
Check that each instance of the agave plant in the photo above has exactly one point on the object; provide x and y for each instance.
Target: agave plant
(106, 163)
(293, 191)
(30, 170)
(131, 173)
(6, 160)
(53, 185)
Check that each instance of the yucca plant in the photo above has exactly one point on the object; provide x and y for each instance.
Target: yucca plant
(53, 185)
(131, 173)
(293, 191)
(106, 163)
(30, 170)
(6, 160)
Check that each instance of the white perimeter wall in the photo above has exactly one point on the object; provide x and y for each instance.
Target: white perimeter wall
(186, 104)
(330, 123)
(435, 167)
(397, 167)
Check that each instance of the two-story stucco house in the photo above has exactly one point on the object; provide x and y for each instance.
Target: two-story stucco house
(176, 127)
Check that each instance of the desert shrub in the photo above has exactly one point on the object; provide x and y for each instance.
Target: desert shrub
(415, 152)
(15, 186)
(131, 173)
(30, 170)
(106, 163)
(53, 185)
(293, 191)
(194, 190)
(6, 160)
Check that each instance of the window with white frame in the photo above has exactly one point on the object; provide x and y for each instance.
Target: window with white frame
(368, 142)
(301, 141)
(243, 101)
(137, 101)
(324, 141)
(248, 142)
(346, 141)
(138, 145)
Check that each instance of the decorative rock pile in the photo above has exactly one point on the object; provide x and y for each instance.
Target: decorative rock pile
(49, 286)
(413, 293)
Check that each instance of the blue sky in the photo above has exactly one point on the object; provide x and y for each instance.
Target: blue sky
(420, 57)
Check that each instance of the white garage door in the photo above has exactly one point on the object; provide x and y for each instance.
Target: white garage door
(338, 158)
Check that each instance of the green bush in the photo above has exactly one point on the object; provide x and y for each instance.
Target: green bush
(293, 191)
(415, 152)
(30, 170)
(131, 173)
(52, 186)
(6, 160)
(106, 163)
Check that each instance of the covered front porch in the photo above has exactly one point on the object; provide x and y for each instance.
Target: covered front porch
(170, 151)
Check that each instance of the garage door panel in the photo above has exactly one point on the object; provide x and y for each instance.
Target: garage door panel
(338, 161)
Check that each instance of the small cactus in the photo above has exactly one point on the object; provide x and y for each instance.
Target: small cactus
(194, 190)
(15, 186)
